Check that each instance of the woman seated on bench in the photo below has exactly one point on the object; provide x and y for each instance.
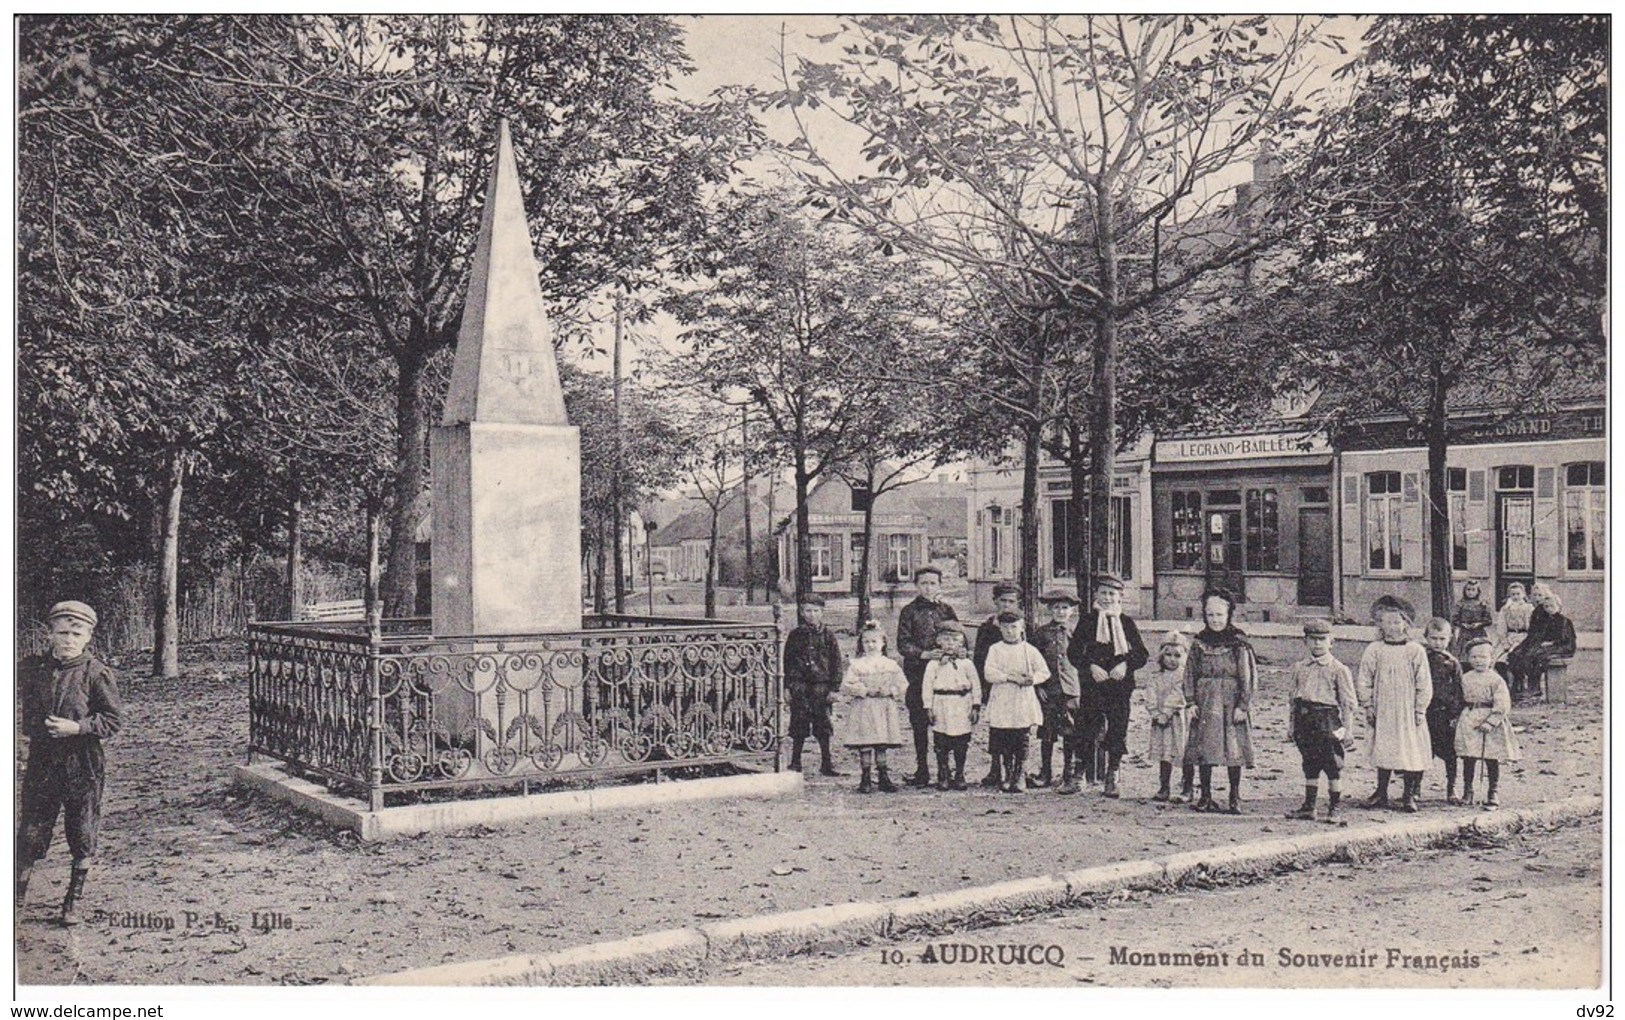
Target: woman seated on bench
(1551, 636)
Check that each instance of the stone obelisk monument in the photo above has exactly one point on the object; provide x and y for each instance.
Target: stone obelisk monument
(505, 461)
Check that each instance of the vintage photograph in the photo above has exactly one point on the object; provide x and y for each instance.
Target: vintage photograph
(1001, 502)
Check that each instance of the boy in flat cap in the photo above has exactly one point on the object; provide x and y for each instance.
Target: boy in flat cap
(812, 675)
(917, 627)
(70, 704)
(1323, 707)
(1059, 694)
(1006, 599)
(1395, 685)
(1107, 649)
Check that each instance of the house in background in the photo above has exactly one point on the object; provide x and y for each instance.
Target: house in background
(902, 535)
(943, 501)
(681, 539)
(993, 519)
(1527, 490)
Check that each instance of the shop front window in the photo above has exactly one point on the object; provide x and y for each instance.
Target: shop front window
(1187, 530)
(1585, 515)
(1263, 530)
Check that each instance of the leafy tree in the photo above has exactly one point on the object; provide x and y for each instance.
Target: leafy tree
(1086, 138)
(793, 320)
(1461, 240)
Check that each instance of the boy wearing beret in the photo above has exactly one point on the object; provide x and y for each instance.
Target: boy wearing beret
(1107, 650)
(70, 704)
(917, 629)
(812, 675)
(1323, 709)
(1006, 599)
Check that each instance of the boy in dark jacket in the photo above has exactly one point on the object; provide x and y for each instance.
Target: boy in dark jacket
(812, 675)
(70, 704)
(1106, 649)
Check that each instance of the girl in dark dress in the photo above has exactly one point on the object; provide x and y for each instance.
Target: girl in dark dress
(1221, 676)
(1472, 619)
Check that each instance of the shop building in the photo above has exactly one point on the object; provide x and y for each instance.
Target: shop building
(1527, 502)
(1250, 510)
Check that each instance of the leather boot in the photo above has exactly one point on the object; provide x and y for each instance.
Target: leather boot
(885, 785)
(76, 889)
(795, 757)
(1111, 784)
(1407, 803)
(1306, 810)
(945, 776)
(864, 785)
(826, 764)
(1069, 778)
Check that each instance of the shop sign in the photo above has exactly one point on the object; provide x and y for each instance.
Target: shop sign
(1478, 430)
(1263, 444)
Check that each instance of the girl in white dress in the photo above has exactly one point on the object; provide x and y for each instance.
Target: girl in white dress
(876, 686)
(1485, 728)
(1012, 671)
(1395, 685)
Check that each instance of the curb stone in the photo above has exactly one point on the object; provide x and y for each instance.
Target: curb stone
(772, 936)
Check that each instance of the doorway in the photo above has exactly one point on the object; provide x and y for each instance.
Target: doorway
(1315, 556)
(1223, 559)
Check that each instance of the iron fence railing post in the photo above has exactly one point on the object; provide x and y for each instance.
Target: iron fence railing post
(375, 780)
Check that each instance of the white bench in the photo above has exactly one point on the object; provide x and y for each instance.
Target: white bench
(348, 609)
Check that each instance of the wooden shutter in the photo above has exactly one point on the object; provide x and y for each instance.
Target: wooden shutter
(1353, 533)
(1412, 527)
(1548, 526)
(1480, 536)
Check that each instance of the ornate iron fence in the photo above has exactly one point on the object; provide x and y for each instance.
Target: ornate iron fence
(401, 710)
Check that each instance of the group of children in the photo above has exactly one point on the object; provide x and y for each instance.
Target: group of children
(1415, 700)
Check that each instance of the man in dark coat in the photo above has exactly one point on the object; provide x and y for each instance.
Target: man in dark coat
(1106, 648)
(917, 644)
(70, 704)
(1006, 599)
(1551, 636)
(812, 675)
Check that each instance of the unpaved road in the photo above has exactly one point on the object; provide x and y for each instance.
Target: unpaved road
(188, 864)
(1521, 912)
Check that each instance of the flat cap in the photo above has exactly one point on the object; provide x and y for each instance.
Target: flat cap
(1006, 588)
(812, 599)
(1393, 604)
(949, 627)
(1058, 595)
(73, 610)
(1317, 627)
(1009, 616)
(1108, 581)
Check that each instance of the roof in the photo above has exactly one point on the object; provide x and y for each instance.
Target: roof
(945, 515)
(1571, 385)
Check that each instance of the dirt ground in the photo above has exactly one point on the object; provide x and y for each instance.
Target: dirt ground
(200, 883)
(1520, 912)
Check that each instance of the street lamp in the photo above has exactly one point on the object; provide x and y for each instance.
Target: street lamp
(649, 562)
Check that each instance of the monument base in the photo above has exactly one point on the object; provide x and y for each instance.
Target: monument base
(412, 819)
(506, 548)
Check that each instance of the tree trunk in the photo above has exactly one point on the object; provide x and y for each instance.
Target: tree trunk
(711, 562)
(401, 573)
(617, 511)
(600, 600)
(1077, 511)
(374, 525)
(803, 513)
(744, 462)
(1103, 387)
(865, 600)
(166, 646)
(1027, 566)
(296, 560)
(1438, 501)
